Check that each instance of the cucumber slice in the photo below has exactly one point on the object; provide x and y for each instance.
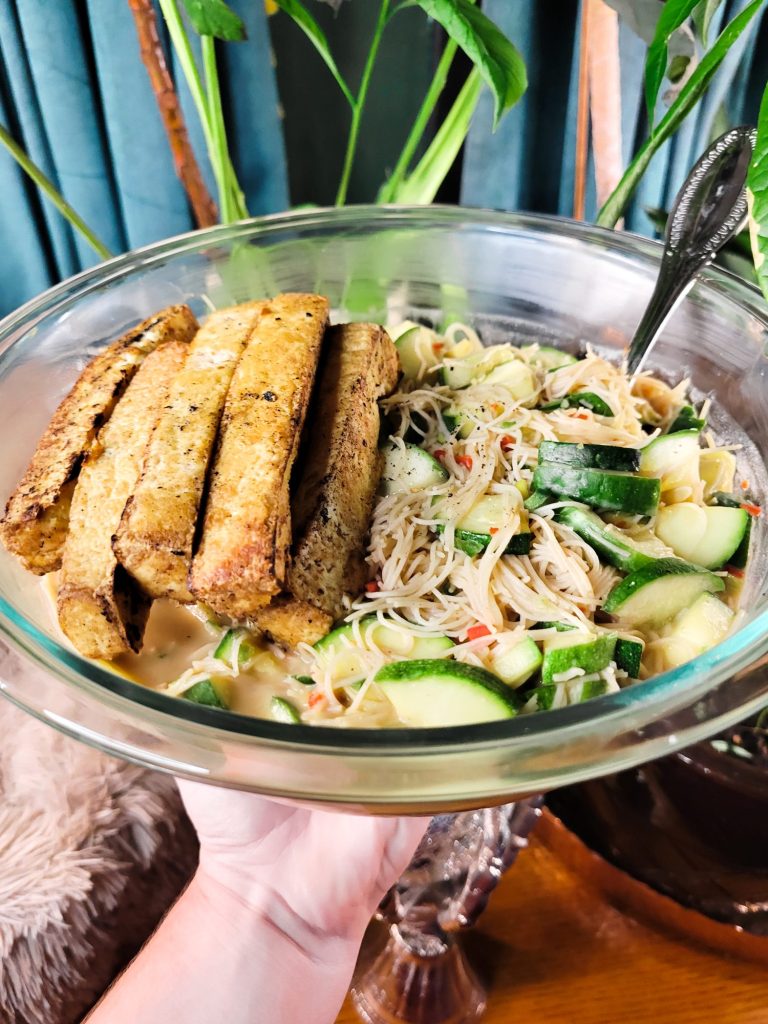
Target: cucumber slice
(212, 693)
(708, 535)
(628, 655)
(581, 400)
(547, 357)
(687, 419)
(673, 459)
(517, 378)
(517, 664)
(610, 544)
(428, 693)
(283, 711)
(304, 680)
(414, 347)
(491, 512)
(590, 456)
(456, 375)
(617, 492)
(246, 651)
(410, 468)
(697, 629)
(654, 594)
(576, 650)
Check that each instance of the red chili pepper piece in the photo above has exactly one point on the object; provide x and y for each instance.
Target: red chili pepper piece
(493, 529)
(733, 571)
(475, 632)
(754, 510)
(465, 461)
(507, 442)
(315, 699)
(372, 586)
(439, 453)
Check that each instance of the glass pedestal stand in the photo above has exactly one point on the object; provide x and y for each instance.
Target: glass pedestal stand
(422, 976)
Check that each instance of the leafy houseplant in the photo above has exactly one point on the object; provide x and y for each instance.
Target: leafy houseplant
(676, 31)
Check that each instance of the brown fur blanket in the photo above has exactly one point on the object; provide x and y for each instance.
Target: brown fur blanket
(92, 852)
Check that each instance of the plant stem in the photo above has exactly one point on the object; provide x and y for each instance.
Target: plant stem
(48, 189)
(428, 175)
(389, 188)
(208, 105)
(220, 153)
(185, 162)
(357, 110)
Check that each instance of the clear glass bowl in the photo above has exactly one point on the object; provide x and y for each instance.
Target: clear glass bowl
(530, 277)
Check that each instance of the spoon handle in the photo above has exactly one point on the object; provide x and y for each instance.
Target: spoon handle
(708, 210)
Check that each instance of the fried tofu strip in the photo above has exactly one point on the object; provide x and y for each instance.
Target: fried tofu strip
(101, 609)
(37, 515)
(157, 531)
(243, 556)
(335, 494)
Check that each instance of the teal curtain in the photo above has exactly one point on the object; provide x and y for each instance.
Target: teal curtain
(73, 90)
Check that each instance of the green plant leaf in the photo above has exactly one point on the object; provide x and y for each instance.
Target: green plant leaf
(689, 95)
(487, 47)
(673, 14)
(703, 16)
(757, 193)
(306, 22)
(215, 18)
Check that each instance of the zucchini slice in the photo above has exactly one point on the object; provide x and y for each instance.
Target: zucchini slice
(628, 655)
(571, 650)
(708, 535)
(428, 694)
(414, 347)
(655, 593)
(741, 555)
(410, 468)
(581, 400)
(673, 459)
(283, 710)
(696, 629)
(246, 651)
(610, 544)
(578, 692)
(491, 512)
(548, 357)
(212, 693)
(687, 419)
(614, 491)
(590, 456)
(348, 661)
(517, 664)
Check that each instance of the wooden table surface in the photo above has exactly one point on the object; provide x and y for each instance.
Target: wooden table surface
(568, 939)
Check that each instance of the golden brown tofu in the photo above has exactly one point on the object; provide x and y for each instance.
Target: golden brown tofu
(243, 555)
(37, 515)
(336, 490)
(157, 531)
(101, 609)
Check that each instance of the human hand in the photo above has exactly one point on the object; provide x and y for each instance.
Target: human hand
(312, 871)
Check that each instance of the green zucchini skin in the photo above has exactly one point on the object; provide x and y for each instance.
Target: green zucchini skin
(205, 693)
(590, 456)
(600, 488)
(536, 499)
(660, 604)
(740, 556)
(609, 547)
(687, 419)
(472, 543)
(583, 400)
(592, 655)
(628, 655)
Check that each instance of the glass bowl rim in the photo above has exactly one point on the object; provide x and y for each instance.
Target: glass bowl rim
(691, 681)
